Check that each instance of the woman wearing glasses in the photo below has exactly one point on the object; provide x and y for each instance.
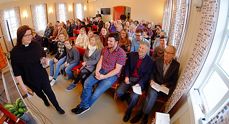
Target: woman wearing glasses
(27, 58)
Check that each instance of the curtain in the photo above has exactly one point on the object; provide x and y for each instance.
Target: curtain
(39, 15)
(61, 12)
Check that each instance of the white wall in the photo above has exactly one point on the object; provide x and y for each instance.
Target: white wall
(150, 10)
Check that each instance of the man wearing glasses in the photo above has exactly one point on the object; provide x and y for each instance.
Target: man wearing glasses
(136, 41)
(163, 82)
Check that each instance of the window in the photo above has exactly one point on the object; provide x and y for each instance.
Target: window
(39, 17)
(79, 11)
(224, 61)
(61, 12)
(12, 17)
(211, 89)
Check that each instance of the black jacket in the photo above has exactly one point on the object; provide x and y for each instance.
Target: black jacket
(144, 70)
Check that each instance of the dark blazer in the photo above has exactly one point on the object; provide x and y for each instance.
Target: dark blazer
(144, 70)
(171, 76)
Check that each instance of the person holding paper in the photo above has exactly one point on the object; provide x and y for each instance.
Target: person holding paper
(137, 74)
(163, 82)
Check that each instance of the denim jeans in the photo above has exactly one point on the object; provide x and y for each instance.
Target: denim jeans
(68, 70)
(59, 63)
(150, 100)
(133, 96)
(87, 98)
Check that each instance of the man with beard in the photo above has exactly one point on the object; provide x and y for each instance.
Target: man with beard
(107, 71)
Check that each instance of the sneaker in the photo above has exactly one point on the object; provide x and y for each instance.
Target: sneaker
(71, 86)
(50, 78)
(74, 110)
(52, 82)
(81, 110)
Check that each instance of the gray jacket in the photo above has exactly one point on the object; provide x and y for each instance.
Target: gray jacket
(92, 60)
(73, 56)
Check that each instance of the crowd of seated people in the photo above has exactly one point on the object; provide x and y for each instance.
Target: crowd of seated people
(137, 47)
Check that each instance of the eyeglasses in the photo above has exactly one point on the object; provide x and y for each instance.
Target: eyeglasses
(27, 35)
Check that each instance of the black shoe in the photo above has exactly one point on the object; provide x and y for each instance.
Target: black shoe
(60, 110)
(126, 116)
(80, 110)
(144, 119)
(136, 118)
(74, 110)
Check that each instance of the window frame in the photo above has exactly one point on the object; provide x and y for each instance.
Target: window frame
(32, 7)
(4, 25)
(215, 67)
(75, 11)
(58, 12)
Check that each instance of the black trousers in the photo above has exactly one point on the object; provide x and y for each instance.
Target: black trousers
(44, 91)
(83, 75)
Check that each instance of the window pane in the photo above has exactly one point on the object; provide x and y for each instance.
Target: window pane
(214, 90)
(79, 11)
(224, 61)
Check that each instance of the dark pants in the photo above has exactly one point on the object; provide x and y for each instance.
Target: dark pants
(123, 88)
(46, 89)
(84, 73)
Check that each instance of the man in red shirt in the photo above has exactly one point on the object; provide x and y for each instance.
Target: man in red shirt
(137, 74)
(107, 71)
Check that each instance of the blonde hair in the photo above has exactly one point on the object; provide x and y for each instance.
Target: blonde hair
(98, 42)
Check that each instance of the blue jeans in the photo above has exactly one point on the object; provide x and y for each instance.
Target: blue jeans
(68, 69)
(59, 63)
(133, 96)
(87, 98)
(150, 100)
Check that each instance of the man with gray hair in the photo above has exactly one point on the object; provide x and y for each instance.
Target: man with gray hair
(137, 74)
(163, 81)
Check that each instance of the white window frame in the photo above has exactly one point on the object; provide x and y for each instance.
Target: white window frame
(61, 13)
(40, 23)
(13, 22)
(79, 11)
(210, 66)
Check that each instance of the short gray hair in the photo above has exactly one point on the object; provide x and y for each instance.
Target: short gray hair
(145, 43)
(173, 47)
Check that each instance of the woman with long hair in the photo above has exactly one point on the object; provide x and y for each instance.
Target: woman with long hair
(26, 60)
(124, 41)
(90, 59)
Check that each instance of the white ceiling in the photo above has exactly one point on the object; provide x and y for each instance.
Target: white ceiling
(4, 1)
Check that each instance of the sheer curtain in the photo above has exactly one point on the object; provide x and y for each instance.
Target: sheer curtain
(61, 12)
(39, 15)
(79, 11)
(13, 17)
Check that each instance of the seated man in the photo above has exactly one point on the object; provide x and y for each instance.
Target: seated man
(137, 74)
(106, 73)
(136, 40)
(163, 81)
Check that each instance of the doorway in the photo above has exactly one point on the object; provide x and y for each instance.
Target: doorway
(121, 10)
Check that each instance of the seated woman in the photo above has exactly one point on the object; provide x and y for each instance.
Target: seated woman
(124, 41)
(82, 39)
(72, 59)
(59, 58)
(91, 57)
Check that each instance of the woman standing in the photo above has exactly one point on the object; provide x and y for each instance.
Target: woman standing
(26, 59)
(90, 59)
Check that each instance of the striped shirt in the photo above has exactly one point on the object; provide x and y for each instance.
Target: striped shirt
(110, 59)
